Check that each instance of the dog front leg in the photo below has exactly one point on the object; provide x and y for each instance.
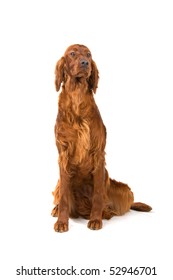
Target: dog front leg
(95, 221)
(63, 208)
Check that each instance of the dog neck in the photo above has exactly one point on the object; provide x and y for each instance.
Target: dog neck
(76, 97)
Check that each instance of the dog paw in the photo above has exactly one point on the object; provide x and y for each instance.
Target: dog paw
(60, 226)
(95, 224)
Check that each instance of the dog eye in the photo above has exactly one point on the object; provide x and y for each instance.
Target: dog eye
(88, 54)
(72, 53)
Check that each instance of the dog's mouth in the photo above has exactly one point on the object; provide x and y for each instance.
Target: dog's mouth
(81, 70)
(83, 73)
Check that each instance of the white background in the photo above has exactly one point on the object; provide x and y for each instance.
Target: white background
(132, 45)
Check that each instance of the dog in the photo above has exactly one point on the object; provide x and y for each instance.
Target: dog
(84, 188)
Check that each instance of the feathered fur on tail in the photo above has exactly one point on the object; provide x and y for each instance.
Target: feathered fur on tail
(139, 206)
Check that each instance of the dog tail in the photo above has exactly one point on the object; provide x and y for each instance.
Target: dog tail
(139, 206)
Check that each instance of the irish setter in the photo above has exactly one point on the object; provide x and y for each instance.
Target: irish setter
(84, 188)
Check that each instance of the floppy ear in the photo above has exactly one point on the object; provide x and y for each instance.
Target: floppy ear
(59, 73)
(94, 77)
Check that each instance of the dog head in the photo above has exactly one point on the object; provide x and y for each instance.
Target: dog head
(77, 63)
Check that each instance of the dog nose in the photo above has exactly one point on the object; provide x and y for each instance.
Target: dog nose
(84, 63)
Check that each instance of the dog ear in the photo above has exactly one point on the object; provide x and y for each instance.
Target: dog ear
(59, 73)
(94, 77)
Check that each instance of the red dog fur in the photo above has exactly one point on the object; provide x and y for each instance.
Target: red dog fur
(84, 188)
